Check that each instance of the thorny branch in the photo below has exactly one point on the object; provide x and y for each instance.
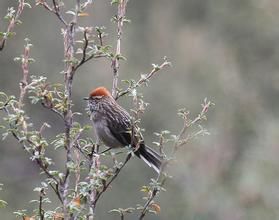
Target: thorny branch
(149, 201)
(115, 61)
(84, 47)
(50, 107)
(41, 211)
(180, 141)
(23, 86)
(37, 160)
(12, 23)
(55, 9)
(69, 70)
(25, 69)
(187, 123)
(36, 152)
(144, 78)
(84, 58)
(106, 185)
(68, 116)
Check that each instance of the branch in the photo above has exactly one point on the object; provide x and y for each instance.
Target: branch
(69, 71)
(55, 10)
(84, 59)
(41, 211)
(13, 22)
(187, 123)
(144, 78)
(106, 185)
(148, 202)
(94, 164)
(25, 70)
(115, 61)
(37, 160)
(23, 86)
(52, 109)
(152, 194)
(84, 47)
(180, 140)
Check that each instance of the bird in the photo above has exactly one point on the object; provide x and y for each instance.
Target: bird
(113, 126)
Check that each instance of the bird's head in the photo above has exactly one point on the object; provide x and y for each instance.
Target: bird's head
(96, 96)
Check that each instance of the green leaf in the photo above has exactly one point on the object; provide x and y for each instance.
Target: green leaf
(20, 213)
(156, 67)
(120, 57)
(114, 2)
(3, 203)
(10, 34)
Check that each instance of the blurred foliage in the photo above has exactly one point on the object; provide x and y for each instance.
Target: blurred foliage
(222, 49)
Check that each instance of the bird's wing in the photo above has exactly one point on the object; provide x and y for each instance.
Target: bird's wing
(121, 128)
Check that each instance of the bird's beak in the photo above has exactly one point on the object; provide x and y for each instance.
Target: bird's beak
(86, 98)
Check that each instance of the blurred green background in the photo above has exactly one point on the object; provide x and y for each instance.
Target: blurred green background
(225, 50)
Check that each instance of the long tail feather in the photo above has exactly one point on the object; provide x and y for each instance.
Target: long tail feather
(150, 157)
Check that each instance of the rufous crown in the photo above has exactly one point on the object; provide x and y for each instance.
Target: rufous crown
(100, 91)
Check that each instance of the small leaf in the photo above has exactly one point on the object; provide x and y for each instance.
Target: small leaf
(83, 14)
(3, 203)
(27, 4)
(156, 143)
(155, 66)
(145, 189)
(114, 2)
(115, 210)
(71, 13)
(156, 208)
(5, 135)
(38, 189)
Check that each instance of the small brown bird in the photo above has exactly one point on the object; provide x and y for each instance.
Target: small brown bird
(114, 127)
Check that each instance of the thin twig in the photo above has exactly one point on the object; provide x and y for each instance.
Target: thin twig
(25, 70)
(115, 61)
(23, 86)
(38, 161)
(77, 174)
(144, 78)
(117, 171)
(41, 211)
(180, 141)
(148, 202)
(84, 47)
(93, 56)
(152, 195)
(94, 164)
(85, 59)
(53, 110)
(12, 22)
(84, 153)
(69, 72)
(55, 10)
(100, 36)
